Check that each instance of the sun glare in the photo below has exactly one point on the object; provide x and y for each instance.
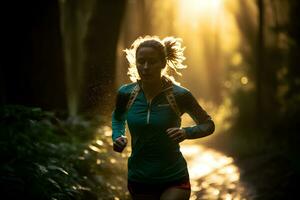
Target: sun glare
(193, 11)
(199, 7)
(212, 173)
(203, 161)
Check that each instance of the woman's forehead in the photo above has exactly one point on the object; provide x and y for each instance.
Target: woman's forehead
(147, 52)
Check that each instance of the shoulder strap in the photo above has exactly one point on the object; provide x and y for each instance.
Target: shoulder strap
(133, 96)
(172, 101)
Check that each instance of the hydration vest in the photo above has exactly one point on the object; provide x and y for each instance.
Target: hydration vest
(169, 95)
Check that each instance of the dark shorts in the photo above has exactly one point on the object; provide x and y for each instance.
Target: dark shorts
(147, 188)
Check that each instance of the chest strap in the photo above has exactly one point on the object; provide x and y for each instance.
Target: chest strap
(169, 95)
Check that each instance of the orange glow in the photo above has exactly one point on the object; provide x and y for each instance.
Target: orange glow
(106, 130)
(193, 10)
(244, 80)
(212, 173)
(202, 161)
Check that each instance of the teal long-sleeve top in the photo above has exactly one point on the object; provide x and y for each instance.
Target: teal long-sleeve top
(155, 158)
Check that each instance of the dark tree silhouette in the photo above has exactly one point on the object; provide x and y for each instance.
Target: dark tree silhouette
(101, 43)
(32, 65)
(31, 60)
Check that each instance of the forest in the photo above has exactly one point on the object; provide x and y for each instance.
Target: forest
(62, 62)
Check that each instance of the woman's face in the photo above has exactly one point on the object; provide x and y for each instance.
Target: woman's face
(149, 63)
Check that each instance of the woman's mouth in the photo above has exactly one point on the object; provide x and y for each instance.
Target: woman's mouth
(146, 75)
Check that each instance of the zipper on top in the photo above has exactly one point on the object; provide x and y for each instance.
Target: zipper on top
(148, 112)
(149, 104)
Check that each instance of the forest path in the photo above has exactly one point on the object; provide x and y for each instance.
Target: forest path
(217, 176)
(213, 174)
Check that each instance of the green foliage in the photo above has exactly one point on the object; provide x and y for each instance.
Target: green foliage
(43, 157)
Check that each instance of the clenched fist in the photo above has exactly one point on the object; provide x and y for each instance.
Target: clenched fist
(176, 134)
(120, 143)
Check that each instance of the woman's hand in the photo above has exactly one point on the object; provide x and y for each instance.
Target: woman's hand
(176, 134)
(120, 143)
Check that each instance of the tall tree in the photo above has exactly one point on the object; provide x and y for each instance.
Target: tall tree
(101, 46)
(260, 63)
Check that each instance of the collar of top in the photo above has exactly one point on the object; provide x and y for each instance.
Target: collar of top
(166, 83)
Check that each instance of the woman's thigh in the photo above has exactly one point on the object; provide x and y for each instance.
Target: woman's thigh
(174, 193)
(143, 191)
(175, 190)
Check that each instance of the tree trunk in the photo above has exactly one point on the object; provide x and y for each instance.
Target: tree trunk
(101, 45)
(260, 63)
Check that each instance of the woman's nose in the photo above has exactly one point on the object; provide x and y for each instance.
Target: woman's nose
(145, 66)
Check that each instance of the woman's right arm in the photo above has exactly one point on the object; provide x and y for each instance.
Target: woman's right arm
(119, 114)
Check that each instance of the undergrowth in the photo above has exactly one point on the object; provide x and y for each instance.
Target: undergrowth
(45, 155)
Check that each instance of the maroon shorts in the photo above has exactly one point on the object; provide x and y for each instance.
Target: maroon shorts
(148, 188)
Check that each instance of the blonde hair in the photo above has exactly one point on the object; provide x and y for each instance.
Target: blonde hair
(169, 49)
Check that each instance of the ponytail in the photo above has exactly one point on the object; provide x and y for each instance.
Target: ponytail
(174, 56)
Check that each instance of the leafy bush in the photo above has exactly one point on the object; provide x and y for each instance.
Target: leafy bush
(44, 157)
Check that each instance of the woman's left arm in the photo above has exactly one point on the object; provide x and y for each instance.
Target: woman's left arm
(204, 124)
